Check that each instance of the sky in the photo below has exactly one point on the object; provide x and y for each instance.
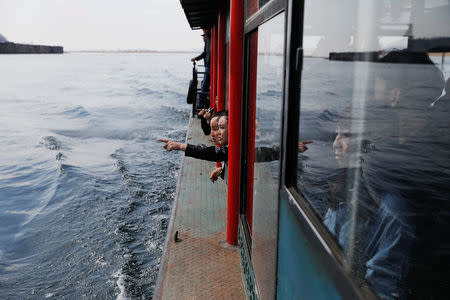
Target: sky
(99, 24)
(161, 24)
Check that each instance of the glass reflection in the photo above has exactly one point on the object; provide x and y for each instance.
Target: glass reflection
(378, 110)
(353, 25)
(269, 76)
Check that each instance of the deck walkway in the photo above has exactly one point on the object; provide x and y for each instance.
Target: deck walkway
(200, 265)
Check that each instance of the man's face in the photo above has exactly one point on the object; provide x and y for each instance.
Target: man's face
(214, 130)
(222, 135)
(384, 95)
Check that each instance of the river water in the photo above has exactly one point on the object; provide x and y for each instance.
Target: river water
(85, 188)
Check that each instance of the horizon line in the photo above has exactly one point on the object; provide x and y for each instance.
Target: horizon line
(133, 51)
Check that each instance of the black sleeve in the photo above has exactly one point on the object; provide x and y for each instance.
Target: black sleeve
(206, 153)
(265, 154)
(202, 55)
(205, 126)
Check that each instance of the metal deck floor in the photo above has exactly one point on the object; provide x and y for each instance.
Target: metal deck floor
(200, 265)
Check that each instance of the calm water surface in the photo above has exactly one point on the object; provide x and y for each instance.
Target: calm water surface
(85, 188)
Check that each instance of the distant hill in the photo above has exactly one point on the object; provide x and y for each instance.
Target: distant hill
(2, 39)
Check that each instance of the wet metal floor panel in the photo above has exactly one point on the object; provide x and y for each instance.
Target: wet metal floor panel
(200, 265)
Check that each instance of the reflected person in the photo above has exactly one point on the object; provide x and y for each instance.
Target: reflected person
(408, 179)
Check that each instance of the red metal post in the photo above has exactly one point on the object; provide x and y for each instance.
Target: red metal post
(234, 120)
(221, 59)
(216, 66)
(212, 91)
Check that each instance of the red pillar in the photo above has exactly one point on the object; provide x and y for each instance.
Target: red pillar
(216, 50)
(212, 90)
(234, 121)
(221, 59)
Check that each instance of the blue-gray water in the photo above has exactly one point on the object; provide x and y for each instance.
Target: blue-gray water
(85, 188)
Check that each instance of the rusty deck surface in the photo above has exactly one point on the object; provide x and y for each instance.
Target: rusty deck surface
(199, 265)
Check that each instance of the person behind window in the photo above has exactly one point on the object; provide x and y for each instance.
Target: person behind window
(405, 176)
(377, 200)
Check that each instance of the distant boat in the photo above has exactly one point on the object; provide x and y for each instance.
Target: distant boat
(396, 56)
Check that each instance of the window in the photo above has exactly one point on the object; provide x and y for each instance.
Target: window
(374, 103)
(266, 92)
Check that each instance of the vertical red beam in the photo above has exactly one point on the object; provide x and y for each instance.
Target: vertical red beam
(221, 59)
(212, 67)
(234, 120)
(216, 42)
(251, 126)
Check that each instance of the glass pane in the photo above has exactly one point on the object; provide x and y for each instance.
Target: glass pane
(262, 3)
(269, 79)
(377, 111)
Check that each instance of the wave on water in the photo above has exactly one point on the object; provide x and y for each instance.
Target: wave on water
(51, 143)
(148, 194)
(149, 92)
(121, 285)
(106, 133)
(183, 114)
(77, 112)
(174, 94)
(166, 93)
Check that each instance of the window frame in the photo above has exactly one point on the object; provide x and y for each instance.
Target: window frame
(251, 24)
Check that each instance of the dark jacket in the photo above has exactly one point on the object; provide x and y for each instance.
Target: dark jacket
(206, 54)
(265, 154)
(205, 126)
(220, 154)
(212, 153)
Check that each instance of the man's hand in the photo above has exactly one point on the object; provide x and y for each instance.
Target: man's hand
(215, 174)
(171, 145)
(193, 59)
(200, 113)
(302, 146)
(207, 115)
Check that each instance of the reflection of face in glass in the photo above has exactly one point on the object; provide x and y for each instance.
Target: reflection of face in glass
(222, 135)
(388, 97)
(342, 147)
(404, 115)
(214, 130)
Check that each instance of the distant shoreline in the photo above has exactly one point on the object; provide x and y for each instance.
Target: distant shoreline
(132, 51)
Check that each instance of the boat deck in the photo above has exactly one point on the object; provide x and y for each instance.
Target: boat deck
(200, 265)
